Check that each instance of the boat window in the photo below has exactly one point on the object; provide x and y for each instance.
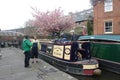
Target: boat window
(47, 48)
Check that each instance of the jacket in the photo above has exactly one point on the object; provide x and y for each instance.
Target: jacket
(26, 45)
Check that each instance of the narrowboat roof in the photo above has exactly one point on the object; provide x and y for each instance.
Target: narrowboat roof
(101, 37)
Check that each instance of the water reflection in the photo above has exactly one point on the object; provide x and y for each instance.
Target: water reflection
(106, 75)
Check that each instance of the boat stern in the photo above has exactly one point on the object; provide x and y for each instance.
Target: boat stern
(91, 67)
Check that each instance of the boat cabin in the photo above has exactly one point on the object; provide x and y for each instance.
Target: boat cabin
(69, 51)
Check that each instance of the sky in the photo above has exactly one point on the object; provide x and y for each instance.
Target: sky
(14, 13)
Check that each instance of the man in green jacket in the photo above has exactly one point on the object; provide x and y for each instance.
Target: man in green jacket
(27, 48)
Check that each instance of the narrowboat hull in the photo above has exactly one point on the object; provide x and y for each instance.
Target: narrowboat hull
(107, 55)
(109, 65)
(85, 67)
(70, 57)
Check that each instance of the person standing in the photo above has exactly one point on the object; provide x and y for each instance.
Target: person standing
(35, 49)
(73, 36)
(27, 48)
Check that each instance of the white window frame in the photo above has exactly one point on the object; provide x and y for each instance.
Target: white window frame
(108, 5)
(110, 27)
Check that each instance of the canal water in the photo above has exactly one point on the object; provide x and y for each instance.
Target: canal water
(106, 75)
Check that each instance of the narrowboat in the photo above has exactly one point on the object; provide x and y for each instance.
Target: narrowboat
(106, 49)
(71, 57)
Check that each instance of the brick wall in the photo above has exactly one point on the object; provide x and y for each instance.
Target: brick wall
(100, 16)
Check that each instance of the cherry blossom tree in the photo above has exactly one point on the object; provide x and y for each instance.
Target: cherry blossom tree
(52, 22)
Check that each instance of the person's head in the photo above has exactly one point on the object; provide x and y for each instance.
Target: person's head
(72, 32)
(26, 36)
(35, 37)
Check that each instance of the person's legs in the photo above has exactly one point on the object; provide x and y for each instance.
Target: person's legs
(27, 58)
(36, 55)
(36, 58)
(32, 55)
(32, 59)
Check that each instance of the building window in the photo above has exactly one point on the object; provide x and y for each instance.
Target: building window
(108, 5)
(108, 26)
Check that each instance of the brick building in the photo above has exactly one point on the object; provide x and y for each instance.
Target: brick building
(106, 16)
(81, 18)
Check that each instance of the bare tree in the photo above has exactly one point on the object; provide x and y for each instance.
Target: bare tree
(29, 28)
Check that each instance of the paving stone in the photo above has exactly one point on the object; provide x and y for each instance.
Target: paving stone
(12, 68)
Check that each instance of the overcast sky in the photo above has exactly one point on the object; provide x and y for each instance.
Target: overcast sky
(14, 13)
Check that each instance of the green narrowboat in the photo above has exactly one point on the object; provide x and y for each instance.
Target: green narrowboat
(105, 48)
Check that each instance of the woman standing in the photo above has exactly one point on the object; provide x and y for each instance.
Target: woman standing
(35, 49)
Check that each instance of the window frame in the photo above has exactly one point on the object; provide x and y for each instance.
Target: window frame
(108, 21)
(108, 5)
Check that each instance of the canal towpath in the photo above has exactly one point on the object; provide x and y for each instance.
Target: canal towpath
(12, 68)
